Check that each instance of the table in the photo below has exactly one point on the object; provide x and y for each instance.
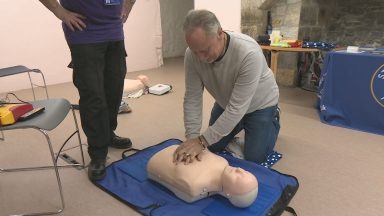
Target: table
(352, 91)
(275, 53)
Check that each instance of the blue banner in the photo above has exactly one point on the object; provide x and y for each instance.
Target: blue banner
(351, 91)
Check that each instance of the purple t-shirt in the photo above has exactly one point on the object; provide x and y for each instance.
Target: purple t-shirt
(103, 22)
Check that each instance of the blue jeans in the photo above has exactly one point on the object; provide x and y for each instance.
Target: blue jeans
(261, 130)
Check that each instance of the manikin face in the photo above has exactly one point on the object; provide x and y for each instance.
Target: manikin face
(207, 47)
(237, 181)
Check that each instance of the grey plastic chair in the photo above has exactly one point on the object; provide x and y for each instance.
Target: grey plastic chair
(22, 69)
(9, 71)
(55, 112)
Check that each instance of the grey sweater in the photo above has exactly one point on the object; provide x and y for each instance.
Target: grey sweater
(241, 82)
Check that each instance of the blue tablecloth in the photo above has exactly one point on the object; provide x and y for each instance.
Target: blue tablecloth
(351, 91)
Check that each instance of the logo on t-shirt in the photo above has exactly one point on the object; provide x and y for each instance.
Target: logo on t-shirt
(377, 85)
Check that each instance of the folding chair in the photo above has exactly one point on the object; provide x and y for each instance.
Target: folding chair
(55, 112)
(22, 69)
(9, 71)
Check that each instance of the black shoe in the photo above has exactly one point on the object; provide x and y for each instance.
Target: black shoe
(96, 170)
(120, 142)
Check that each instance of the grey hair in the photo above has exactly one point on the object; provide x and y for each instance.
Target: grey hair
(201, 19)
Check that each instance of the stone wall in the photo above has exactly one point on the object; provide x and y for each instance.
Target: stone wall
(311, 22)
(286, 18)
(254, 16)
(344, 22)
(353, 22)
(253, 19)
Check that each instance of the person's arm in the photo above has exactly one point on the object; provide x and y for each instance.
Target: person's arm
(193, 111)
(126, 10)
(193, 99)
(71, 19)
(240, 100)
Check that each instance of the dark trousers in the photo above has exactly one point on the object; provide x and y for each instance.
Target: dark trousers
(98, 73)
(261, 130)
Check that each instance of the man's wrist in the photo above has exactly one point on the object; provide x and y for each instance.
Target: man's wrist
(54, 7)
(59, 12)
(203, 142)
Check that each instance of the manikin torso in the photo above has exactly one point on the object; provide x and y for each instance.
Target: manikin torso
(200, 179)
(132, 85)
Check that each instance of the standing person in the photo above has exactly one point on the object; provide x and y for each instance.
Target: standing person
(233, 69)
(94, 33)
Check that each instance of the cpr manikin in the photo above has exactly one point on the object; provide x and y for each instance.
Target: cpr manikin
(200, 179)
(132, 85)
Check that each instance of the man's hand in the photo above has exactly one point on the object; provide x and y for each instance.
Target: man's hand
(126, 10)
(73, 20)
(188, 151)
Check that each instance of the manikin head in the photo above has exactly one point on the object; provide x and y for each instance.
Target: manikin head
(204, 35)
(144, 79)
(239, 186)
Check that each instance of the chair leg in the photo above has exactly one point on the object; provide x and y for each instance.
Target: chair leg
(43, 78)
(61, 208)
(78, 136)
(33, 90)
(81, 165)
(57, 176)
(2, 135)
(68, 159)
(45, 85)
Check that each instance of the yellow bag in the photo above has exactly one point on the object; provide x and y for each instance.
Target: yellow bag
(10, 113)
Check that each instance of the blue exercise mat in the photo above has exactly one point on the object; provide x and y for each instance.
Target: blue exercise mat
(127, 181)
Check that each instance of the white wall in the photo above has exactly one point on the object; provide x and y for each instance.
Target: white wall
(31, 35)
(143, 36)
(172, 17)
(227, 11)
